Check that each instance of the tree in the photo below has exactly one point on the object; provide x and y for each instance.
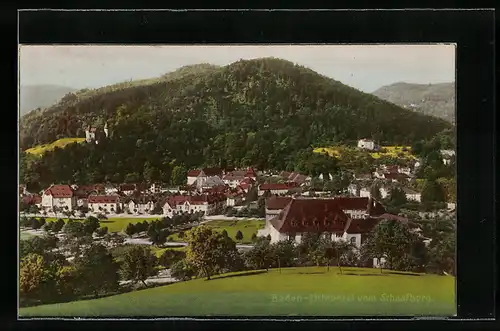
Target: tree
(170, 256)
(182, 270)
(32, 276)
(91, 224)
(260, 256)
(47, 227)
(139, 264)
(179, 175)
(208, 251)
(432, 192)
(283, 253)
(375, 191)
(181, 234)
(97, 270)
(35, 223)
(239, 235)
(58, 225)
(254, 237)
(397, 197)
(391, 240)
(101, 232)
(131, 229)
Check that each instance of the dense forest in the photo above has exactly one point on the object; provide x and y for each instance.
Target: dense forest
(267, 113)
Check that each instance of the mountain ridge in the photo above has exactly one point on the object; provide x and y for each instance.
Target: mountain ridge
(33, 96)
(436, 99)
(264, 112)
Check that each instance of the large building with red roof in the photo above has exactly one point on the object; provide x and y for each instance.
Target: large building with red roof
(339, 217)
(60, 196)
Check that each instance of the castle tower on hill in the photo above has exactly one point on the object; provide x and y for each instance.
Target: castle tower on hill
(93, 134)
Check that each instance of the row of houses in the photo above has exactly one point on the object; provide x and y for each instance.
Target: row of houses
(70, 198)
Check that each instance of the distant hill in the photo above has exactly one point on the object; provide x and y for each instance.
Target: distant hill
(431, 99)
(41, 96)
(264, 113)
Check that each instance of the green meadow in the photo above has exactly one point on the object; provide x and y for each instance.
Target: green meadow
(310, 291)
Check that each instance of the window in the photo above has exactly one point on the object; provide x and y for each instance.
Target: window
(316, 222)
(294, 223)
(291, 236)
(353, 240)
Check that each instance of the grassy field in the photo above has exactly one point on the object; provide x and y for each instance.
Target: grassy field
(247, 228)
(114, 224)
(393, 151)
(61, 143)
(293, 292)
(159, 251)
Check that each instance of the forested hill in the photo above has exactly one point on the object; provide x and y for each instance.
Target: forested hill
(430, 99)
(252, 112)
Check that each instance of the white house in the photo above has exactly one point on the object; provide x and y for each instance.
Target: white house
(234, 199)
(191, 204)
(364, 192)
(108, 204)
(447, 154)
(412, 195)
(140, 206)
(127, 189)
(60, 196)
(110, 189)
(366, 144)
(384, 192)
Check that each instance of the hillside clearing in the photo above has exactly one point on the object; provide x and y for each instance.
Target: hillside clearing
(312, 291)
(390, 151)
(61, 143)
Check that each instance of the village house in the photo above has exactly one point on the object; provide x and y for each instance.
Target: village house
(246, 185)
(209, 204)
(276, 189)
(235, 178)
(359, 191)
(362, 177)
(234, 199)
(107, 204)
(447, 155)
(139, 205)
(412, 195)
(366, 144)
(60, 196)
(127, 189)
(294, 177)
(110, 189)
(202, 175)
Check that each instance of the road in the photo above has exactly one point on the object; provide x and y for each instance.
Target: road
(207, 218)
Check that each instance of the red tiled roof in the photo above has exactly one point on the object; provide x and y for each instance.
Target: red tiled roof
(248, 180)
(103, 199)
(396, 176)
(233, 177)
(362, 225)
(274, 203)
(127, 187)
(193, 173)
(250, 173)
(265, 187)
(209, 172)
(311, 215)
(60, 191)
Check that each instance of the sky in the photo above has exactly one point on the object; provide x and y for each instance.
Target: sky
(364, 67)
